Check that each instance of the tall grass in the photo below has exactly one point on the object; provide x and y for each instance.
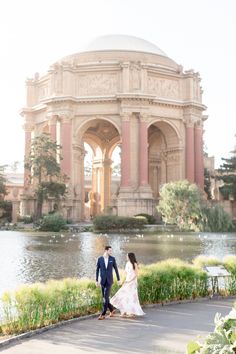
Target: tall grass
(171, 280)
(41, 304)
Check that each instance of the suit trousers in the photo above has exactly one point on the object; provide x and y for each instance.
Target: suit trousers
(106, 289)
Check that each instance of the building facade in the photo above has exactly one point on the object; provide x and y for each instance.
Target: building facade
(121, 91)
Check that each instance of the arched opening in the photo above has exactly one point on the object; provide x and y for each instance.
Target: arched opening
(100, 139)
(164, 155)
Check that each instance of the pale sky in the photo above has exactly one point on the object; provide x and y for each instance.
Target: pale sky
(198, 34)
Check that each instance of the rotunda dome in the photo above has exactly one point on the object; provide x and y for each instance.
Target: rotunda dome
(118, 42)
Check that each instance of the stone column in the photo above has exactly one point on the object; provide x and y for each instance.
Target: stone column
(15, 210)
(53, 128)
(107, 182)
(125, 152)
(66, 143)
(143, 151)
(77, 182)
(28, 127)
(190, 161)
(199, 166)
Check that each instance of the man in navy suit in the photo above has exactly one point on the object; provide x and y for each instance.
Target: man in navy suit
(105, 265)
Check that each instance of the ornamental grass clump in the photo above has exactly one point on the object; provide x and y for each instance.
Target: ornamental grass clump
(37, 305)
(171, 280)
(230, 265)
(203, 260)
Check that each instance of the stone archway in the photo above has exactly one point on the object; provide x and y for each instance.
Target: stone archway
(102, 136)
(165, 162)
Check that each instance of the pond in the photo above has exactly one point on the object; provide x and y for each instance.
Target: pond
(28, 257)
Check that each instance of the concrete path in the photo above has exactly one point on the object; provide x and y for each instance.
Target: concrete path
(164, 329)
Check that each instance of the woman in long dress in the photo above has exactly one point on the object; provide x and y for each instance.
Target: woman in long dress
(126, 299)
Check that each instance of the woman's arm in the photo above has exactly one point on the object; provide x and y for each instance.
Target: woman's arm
(136, 273)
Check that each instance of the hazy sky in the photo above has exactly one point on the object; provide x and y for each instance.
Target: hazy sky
(196, 34)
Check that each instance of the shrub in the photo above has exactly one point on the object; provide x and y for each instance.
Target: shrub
(111, 222)
(53, 222)
(216, 219)
(6, 210)
(150, 218)
(26, 219)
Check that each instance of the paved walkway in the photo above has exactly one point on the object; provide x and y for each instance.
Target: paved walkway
(163, 330)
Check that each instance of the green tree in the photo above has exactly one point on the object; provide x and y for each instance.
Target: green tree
(45, 171)
(180, 204)
(216, 219)
(207, 183)
(116, 170)
(228, 175)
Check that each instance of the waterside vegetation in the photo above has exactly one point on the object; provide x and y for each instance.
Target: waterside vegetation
(42, 304)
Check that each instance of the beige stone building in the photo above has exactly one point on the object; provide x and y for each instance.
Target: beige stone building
(15, 188)
(124, 91)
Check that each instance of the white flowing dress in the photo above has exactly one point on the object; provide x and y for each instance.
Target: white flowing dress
(126, 299)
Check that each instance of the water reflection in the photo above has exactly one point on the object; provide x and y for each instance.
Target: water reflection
(32, 257)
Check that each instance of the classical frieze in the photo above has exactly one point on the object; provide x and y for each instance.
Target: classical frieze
(163, 87)
(96, 84)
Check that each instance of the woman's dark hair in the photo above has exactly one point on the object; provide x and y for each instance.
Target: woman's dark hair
(132, 259)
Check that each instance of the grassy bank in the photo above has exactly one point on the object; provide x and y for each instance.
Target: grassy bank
(41, 304)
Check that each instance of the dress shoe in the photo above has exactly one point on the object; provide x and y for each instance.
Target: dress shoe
(112, 313)
(101, 317)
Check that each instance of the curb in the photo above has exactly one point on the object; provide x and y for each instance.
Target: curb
(17, 338)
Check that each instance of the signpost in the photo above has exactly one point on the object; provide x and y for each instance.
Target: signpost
(216, 272)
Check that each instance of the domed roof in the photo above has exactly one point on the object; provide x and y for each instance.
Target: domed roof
(122, 43)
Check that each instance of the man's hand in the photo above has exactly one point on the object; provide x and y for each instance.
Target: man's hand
(97, 284)
(119, 282)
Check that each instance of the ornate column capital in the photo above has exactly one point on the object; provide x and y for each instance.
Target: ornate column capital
(28, 127)
(78, 151)
(189, 121)
(64, 117)
(125, 116)
(198, 124)
(144, 118)
(124, 64)
(52, 118)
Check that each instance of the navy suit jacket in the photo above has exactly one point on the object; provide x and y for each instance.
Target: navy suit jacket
(106, 274)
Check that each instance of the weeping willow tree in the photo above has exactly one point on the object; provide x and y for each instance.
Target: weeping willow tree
(45, 171)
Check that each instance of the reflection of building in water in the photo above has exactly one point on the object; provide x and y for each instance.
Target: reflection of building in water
(120, 91)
